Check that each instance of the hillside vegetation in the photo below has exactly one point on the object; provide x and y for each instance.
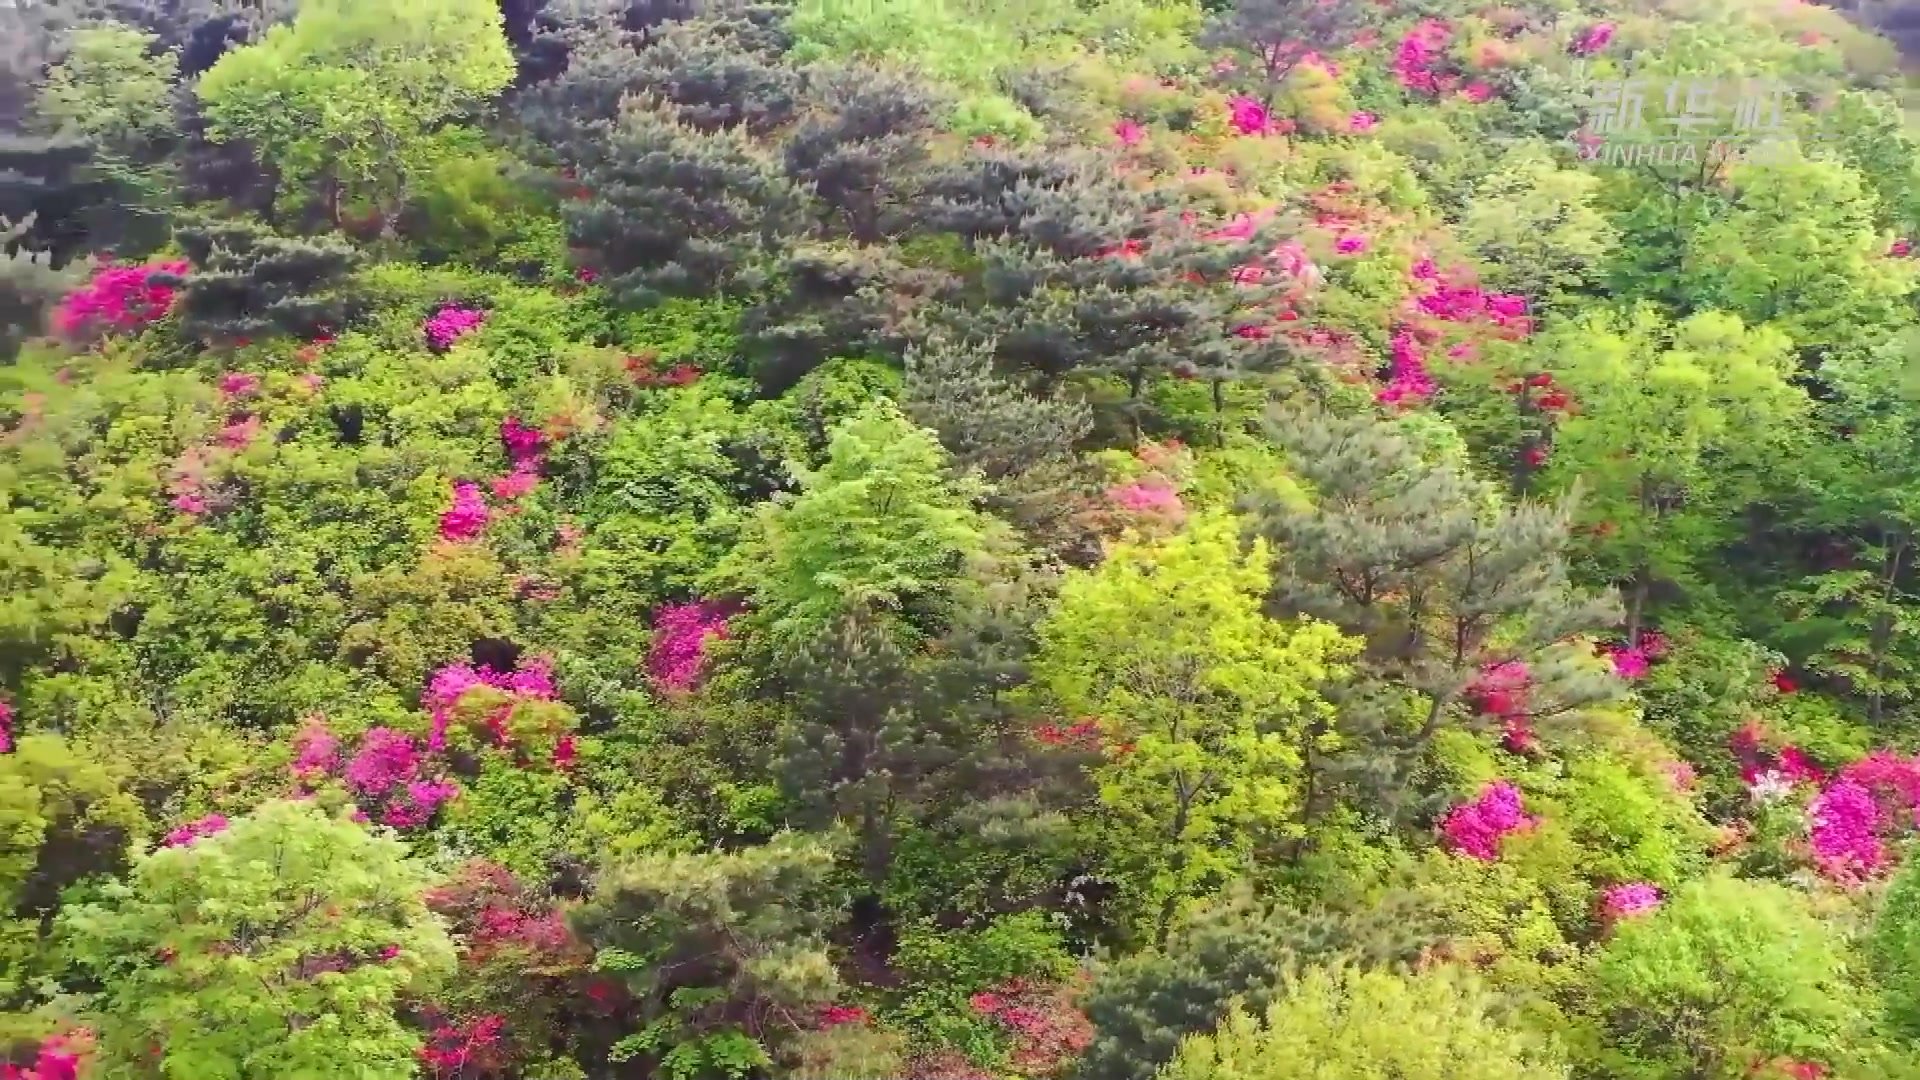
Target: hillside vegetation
(956, 540)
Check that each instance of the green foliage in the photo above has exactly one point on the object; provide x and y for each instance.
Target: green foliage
(721, 952)
(258, 949)
(1145, 1003)
(1725, 973)
(1894, 947)
(1341, 1023)
(349, 95)
(878, 524)
(1205, 708)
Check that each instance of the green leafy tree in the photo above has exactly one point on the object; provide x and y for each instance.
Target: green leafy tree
(1798, 248)
(1858, 621)
(62, 820)
(724, 953)
(1536, 228)
(348, 97)
(878, 524)
(1894, 946)
(258, 950)
(1673, 425)
(117, 90)
(1023, 446)
(1205, 707)
(1344, 1024)
(1726, 975)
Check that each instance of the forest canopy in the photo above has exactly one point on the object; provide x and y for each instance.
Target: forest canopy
(958, 540)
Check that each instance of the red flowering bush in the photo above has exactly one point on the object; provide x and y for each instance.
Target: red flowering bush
(1047, 1029)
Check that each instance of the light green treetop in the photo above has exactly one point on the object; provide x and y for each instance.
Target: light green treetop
(263, 950)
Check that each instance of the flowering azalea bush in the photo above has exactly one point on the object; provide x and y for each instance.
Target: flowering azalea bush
(117, 300)
(1476, 828)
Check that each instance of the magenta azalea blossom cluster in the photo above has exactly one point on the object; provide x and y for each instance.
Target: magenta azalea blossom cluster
(1151, 497)
(467, 517)
(118, 299)
(1476, 828)
(1419, 50)
(195, 830)
(1248, 116)
(385, 774)
(1850, 823)
(1129, 132)
(237, 384)
(1593, 39)
(531, 681)
(1843, 828)
(1410, 381)
(316, 753)
(450, 324)
(1626, 901)
(56, 1060)
(6, 728)
(680, 636)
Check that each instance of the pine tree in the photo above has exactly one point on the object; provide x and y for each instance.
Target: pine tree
(859, 153)
(247, 282)
(50, 179)
(1237, 948)
(722, 953)
(676, 210)
(1402, 549)
(1026, 447)
(28, 287)
(857, 748)
(1082, 274)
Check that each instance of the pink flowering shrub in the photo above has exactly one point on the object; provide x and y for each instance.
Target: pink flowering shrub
(240, 433)
(1626, 901)
(1419, 50)
(316, 753)
(1151, 497)
(57, 1059)
(118, 299)
(470, 1049)
(524, 445)
(386, 759)
(6, 728)
(186, 834)
(450, 324)
(1129, 133)
(236, 384)
(1350, 245)
(1593, 39)
(385, 775)
(1410, 381)
(1843, 831)
(1476, 828)
(515, 484)
(1362, 122)
(450, 686)
(1249, 117)
(680, 636)
(468, 515)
